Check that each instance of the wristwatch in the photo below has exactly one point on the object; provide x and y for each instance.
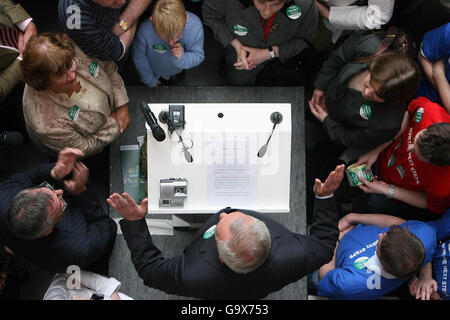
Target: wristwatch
(123, 25)
(390, 193)
(97, 296)
(271, 53)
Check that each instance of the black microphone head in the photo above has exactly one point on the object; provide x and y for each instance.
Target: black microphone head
(11, 139)
(158, 133)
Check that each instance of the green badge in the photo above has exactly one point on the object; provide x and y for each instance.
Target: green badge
(240, 30)
(293, 12)
(419, 115)
(183, 45)
(365, 112)
(94, 69)
(391, 161)
(360, 262)
(159, 48)
(74, 112)
(210, 232)
(401, 171)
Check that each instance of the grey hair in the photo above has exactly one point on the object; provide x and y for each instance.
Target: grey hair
(27, 216)
(248, 247)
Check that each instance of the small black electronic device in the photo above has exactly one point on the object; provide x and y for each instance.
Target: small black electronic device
(176, 116)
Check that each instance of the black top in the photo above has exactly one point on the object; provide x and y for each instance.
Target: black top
(198, 272)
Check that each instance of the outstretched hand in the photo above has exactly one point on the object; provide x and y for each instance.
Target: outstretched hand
(322, 189)
(127, 207)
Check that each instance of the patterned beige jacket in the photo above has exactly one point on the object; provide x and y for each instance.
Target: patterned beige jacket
(55, 121)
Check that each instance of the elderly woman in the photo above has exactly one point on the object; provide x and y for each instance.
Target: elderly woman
(362, 90)
(70, 99)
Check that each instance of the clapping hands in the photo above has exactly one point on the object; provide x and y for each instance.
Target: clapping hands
(68, 163)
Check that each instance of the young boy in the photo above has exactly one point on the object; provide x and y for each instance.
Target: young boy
(168, 43)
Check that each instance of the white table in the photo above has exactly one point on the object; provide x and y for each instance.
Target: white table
(243, 127)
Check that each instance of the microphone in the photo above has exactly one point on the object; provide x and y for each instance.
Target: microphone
(157, 132)
(11, 139)
(276, 118)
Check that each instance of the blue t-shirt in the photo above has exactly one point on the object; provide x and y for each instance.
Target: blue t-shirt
(351, 279)
(435, 46)
(442, 255)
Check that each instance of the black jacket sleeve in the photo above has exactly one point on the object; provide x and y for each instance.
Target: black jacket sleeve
(157, 271)
(324, 232)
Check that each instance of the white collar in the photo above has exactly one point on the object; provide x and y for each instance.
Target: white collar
(374, 264)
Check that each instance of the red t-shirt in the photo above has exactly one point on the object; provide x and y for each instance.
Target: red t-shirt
(400, 167)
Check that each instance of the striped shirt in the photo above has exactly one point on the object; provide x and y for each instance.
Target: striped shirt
(90, 26)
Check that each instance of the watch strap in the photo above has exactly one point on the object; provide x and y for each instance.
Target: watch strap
(390, 193)
(271, 52)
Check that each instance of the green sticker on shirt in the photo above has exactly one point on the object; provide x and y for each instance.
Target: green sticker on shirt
(159, 48)
(365, 112)
(419, 115)
(240, 30)
(293, 12)
(210, 232)
(74, 112)
(94, 69)
(360, 262)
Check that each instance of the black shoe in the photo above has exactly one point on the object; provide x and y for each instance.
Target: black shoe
(11, 139)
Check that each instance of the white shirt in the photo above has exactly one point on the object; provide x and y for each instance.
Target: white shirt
(345, 16)
(90, 283)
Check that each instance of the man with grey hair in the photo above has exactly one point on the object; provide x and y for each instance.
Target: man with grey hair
(236, 254)
(50, 217)
(246, 245)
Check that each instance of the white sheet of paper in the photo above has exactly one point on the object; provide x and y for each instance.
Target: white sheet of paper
(232, 173)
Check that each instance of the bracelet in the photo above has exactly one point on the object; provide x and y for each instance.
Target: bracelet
(390, 193)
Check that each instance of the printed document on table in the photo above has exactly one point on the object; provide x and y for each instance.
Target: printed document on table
(232, 173)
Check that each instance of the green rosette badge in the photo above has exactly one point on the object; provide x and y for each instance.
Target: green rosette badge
(159, 48)
(365, 112)
(74, 112)
(293, 12)
(240, 30)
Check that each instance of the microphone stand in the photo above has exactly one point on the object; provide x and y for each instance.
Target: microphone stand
(276, 118)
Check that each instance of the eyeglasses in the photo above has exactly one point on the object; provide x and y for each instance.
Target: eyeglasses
(73, 68)
(47, 185)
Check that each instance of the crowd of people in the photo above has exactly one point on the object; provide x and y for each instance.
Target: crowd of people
(381, 96)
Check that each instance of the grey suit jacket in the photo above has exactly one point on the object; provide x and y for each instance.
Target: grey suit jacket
(240, 19)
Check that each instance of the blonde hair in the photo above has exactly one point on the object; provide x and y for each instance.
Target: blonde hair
(169, 19)
(45, 55)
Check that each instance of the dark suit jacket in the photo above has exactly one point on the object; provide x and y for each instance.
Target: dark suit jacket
(80, 238)
(344, 123)
(199, 273)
